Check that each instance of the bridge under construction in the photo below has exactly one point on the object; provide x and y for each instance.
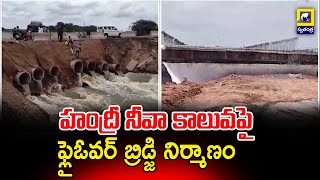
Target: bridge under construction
(199, 64)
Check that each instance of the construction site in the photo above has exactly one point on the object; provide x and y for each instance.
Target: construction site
(270, 77)
(41, 76)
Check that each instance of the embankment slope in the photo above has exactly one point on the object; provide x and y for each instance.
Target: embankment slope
(25, 55)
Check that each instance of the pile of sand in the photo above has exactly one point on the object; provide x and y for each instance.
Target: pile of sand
(240, 90)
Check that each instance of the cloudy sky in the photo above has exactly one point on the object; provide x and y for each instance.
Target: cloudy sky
(235, 23)
(119, 13)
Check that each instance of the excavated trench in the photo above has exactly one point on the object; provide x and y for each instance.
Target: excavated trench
(43, 69)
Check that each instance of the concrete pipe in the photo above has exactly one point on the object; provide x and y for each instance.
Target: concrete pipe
(90, 66)
(37, 73)
(102, 67)
(54, 71)
(114, 67)
(76, 66)
(23, 78)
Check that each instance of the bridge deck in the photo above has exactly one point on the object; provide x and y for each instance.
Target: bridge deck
(187, 54)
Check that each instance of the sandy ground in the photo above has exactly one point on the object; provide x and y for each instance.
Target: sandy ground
(286, 94)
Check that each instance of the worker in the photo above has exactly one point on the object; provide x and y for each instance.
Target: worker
(78, 50)
(45, 29)
(60, 33)
(70, 43)
(40, 29)
(17, 33)
(29, 35)
(14, 32)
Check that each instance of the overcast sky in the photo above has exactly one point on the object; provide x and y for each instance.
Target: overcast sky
(235, 23)
(119, 13)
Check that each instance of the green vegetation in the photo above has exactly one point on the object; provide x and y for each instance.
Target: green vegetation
(143, 27)
(70, 27)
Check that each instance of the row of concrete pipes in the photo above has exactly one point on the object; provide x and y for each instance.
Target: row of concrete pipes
(24, 78)
(93, 66)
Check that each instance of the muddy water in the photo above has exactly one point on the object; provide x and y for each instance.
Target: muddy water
(132, 88)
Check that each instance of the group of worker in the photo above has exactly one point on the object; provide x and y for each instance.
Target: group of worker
(69, 42)
(77, 48)
(43, 29)
(19, 35)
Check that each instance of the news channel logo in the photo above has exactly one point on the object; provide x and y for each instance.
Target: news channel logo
(305, 21)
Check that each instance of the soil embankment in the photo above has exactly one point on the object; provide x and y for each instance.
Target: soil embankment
(18, 111)
(23, 56)
(264, 91)
(26, 55)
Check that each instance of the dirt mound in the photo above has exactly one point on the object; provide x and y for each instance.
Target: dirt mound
(143, 50)
(240, 90)
(174, 94)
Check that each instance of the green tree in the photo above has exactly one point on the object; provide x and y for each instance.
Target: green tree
(52, 28)
(60, 24)
(70, 27)
(90, 28)
(143, 27)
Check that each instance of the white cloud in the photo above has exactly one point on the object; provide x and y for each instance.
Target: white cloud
(234, 23)
(119, 13)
